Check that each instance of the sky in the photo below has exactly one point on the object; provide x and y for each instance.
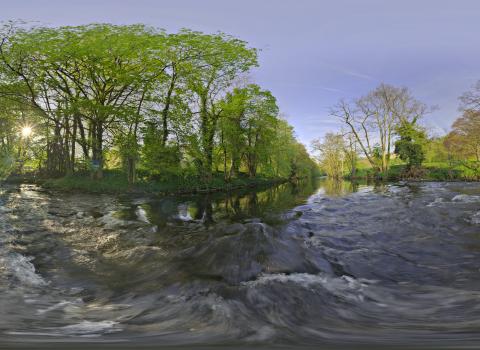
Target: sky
(313, 52)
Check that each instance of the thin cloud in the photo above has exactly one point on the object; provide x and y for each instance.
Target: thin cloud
(355, 74)
(326, 88)
(347, 71)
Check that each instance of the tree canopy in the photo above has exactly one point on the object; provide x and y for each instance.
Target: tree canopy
(102, 95)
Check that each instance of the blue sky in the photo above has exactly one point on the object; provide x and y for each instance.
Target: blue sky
(315, 52)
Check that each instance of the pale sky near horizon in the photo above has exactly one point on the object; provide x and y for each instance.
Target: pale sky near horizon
(314, 53)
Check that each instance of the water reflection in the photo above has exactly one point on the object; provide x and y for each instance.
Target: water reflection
(235, 206)
(338, 187)
(398, 265)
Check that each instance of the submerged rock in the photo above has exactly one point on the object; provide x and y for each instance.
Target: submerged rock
(476, 219)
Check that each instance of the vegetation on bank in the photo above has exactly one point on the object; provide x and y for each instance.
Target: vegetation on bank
(436, 171)
(167, 110)
(382, 138)
(116, 182)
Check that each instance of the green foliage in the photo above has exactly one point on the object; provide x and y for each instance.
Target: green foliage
(160, 161)
(7, 163)
(463, 142)
(332, 155)
(102, 96)
(114, 181)
(410, 145)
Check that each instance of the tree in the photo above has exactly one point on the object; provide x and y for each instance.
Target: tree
(351, 153)
(211, 74)
(470, 100)
(331, 154)
(372, 120)
(161, 161)
(84, 78)
(464, 140)
(137, 96)
(410, 145)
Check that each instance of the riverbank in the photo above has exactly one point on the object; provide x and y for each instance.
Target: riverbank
(429, 172)
(114, 182)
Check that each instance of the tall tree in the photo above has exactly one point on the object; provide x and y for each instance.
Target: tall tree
(372, 120)
(212, 74)
(464, 140)
(331, 154)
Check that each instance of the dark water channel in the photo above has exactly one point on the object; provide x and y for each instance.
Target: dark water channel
(319, 264)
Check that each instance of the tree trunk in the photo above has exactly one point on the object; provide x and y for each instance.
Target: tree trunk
(208, 133)
(73, 146)
(166, 108)
(97, 150)
(235, 168)
(131, 170)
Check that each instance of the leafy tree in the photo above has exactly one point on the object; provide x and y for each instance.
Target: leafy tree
(410, 145)
(142, 97)
(331, 154)
(373, 119)
(464, 140)
(212, 73)
(161, 161)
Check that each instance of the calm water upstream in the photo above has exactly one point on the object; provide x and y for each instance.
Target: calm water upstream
(324, 263)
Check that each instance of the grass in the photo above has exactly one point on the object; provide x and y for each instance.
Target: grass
(116, 182)
(433, 171)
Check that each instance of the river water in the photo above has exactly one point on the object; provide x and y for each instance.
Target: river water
(322, 263)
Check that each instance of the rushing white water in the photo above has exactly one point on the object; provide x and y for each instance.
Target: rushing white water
(329, 264)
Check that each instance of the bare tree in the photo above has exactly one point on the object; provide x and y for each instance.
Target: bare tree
(372, 120)
(359, 126)
(470, 100)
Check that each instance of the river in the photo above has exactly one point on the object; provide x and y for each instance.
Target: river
(321, 263)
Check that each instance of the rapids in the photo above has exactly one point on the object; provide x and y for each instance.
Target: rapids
(330, 263)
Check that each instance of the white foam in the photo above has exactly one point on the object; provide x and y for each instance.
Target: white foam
(348, 287)
(61, 305)
(141, 215)
(91, 328)
(21, 267)
(476, 218)
(304, 279)
(436, 202)
(466, 198)
(183, 213)
(84, 328)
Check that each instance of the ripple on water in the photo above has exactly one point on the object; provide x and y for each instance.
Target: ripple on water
(466, 198)
(384, 264)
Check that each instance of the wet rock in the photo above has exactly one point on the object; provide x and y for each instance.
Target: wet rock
(61, 213)
(476, 219)
(292, 215)
(95, 214)
(234, 229)
(253, 220)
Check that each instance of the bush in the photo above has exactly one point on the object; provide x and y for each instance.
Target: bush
(443, 174)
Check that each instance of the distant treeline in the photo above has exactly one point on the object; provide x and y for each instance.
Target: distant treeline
(133, 97)
(382, 136)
